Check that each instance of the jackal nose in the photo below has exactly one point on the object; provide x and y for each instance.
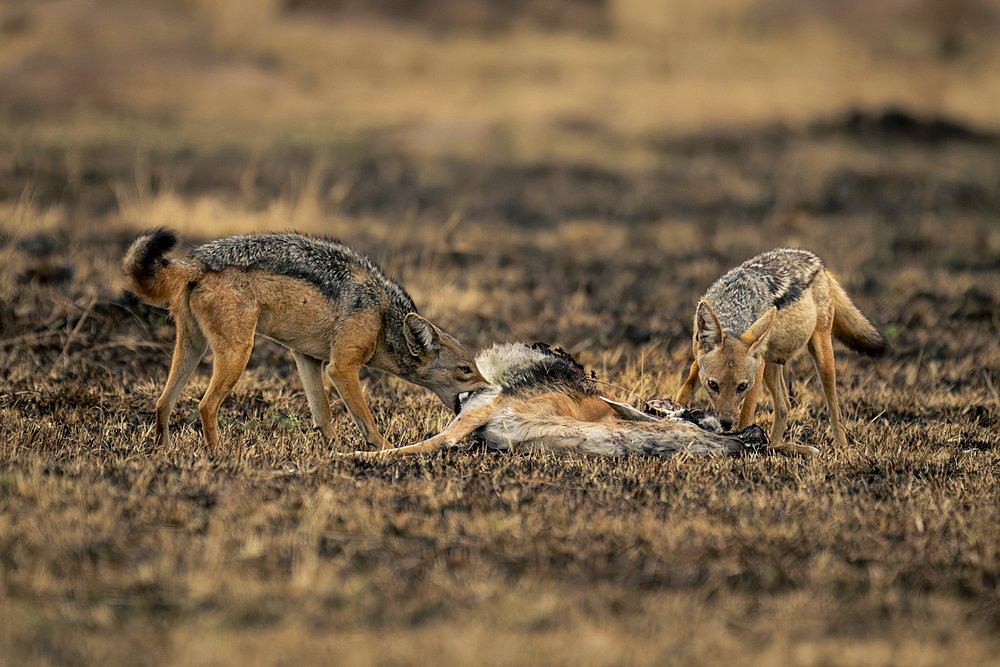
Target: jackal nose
(726, 424)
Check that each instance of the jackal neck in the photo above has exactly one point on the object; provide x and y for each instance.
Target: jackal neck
(397, 358)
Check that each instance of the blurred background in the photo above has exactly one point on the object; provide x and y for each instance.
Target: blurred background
(512, 161)
(450, 74)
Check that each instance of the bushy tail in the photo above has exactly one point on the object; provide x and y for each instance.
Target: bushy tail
(152, 275)
(662, 439)
(851, 327)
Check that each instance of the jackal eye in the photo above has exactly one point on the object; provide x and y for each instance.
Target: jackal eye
(713, 385)
(465, 369)
(742, 387)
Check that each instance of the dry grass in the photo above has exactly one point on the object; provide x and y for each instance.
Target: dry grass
(884, 552)
(523, 185)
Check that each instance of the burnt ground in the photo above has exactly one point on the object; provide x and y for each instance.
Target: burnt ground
(886, 552)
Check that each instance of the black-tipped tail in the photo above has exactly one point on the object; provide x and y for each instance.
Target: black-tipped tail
(149, 251)
(871, 345)
(144, 260)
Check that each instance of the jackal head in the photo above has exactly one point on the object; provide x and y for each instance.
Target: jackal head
(728, 367)
(444, 365)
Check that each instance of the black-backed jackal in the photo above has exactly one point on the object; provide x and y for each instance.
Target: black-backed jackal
(318, 297)
(540, 398)
(754, 318)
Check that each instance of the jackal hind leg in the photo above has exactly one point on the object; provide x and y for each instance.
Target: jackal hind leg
(229, 318)
(459, 428)
(228, 366)
(311, 373)
(690, 385)
(821, 350)
(749, 406)
(189, 348)
(353, 347)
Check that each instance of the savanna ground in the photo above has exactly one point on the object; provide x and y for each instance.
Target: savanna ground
(576, 172)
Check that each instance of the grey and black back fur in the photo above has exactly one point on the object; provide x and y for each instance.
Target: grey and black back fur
(342, 274)
(776, 278)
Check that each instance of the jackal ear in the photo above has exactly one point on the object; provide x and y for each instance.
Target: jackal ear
(422, 337)
(756, 335)
(707, 330)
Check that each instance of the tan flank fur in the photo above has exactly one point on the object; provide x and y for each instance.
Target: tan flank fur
(319, 298)
(753, 319)
(539, 398)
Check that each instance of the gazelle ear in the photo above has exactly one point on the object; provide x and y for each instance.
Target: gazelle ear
(756, 335)
(422, 337)
(626, 411)
(708, 331)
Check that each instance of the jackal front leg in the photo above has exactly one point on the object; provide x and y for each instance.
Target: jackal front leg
(690, 385)
(775, 381)
(749, 406)
(345, 379)
(773, 378)
(353, 347)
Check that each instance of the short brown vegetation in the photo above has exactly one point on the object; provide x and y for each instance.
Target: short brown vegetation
(887, 548)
